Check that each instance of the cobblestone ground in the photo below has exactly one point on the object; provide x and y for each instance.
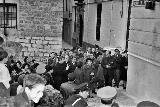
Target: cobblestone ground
(122, 99)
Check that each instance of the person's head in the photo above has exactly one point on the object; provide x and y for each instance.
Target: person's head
(93, 49)
(61, 59)
(20, 79)
(91, 55)
(79, 64)
(89, 49)
(108, 52)
(124, 53)
(147, 104)
(74, 59)
(26, 59)
(34, 86)
(70, 53)
(66, 58)
(3, 56)
(89, 61)
(79, 50)
(117, 51)
(26, 66)
(52, 54)
(19, 64)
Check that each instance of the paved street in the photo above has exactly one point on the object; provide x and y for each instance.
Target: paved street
(122, 99)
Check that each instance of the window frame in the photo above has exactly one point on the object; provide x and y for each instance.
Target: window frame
(8, 15)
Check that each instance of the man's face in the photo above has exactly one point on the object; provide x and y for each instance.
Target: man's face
(91, 56)
(93, 49)
(74, 60)
(36, 92)
(89, 62)
(52, 55)
(66, 58)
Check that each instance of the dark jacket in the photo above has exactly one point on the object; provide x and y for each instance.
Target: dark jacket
(59, 75)
(107, 60)
(72, 67)
(21, 100)
(76, 76)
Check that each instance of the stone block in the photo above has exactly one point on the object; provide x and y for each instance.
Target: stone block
(52, 42)
(40, 54)
(23, 41)
(30, 49)
(37, 38)
(33, 41)
(34, 46)
(47, 47)
(39, 46)
(28, 45)
(32, 54)
(25, 49)
(46, 54)
(38, 42)
(45, 42)
(23, 44)
(26, 53)
(49, 38)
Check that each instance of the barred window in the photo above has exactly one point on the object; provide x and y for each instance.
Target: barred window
(10, 19)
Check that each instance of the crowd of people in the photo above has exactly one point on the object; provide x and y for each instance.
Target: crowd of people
(70, 76)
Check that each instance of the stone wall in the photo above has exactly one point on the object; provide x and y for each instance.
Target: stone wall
(144, 54)
(40, 25)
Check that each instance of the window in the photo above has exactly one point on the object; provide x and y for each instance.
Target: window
(10, 20)
(98, 26)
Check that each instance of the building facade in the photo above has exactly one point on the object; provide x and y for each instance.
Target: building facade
(144, 52)
(108, 28)
(38, 26)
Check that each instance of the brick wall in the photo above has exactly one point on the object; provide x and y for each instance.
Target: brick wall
(40, 25)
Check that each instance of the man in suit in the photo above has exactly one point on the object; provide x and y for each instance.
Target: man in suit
(108, 68)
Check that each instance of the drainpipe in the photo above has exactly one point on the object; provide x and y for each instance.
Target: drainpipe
(4, 14)
(128, 23)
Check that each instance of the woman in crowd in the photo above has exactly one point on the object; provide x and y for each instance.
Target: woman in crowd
(4, 75)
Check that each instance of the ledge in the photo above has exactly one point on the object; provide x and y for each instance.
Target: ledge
(145, 59)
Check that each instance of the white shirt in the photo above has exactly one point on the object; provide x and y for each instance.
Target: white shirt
(4, 75)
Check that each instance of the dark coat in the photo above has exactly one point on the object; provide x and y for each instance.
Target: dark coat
(88, 77)
(76, 76)
(59, 75)
(72, 67)
(117, 61)
(123, 69)
(107, 60)
(75, 101)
